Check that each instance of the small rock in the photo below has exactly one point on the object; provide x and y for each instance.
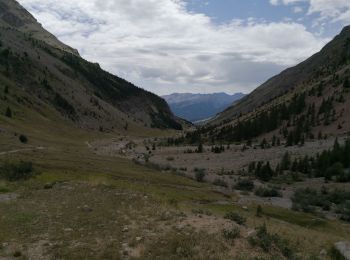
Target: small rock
(48, 186)
(251, 233)
(68, 230)
(323, 253)
(87, 209)
(125, 229)
(138, 239)
(245, 207)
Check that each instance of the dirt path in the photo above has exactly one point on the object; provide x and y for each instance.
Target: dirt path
(22, 150)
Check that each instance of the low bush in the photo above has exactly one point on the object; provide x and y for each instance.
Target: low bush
(245, 185)
(231, 234)
(16, 171)
(267, 192)
(309, 200)
(23, 139)
(240, 220)
(268, 242)
(199, 175)
(220, 182)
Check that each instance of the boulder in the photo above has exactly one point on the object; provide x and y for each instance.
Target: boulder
(343, 248)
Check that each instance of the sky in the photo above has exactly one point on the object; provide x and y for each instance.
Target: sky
(195, 46)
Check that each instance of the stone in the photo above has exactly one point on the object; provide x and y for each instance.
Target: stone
(251, 233)
(343, 248)
(323, 253)
(125, 229)
(138, 239)
(87, 209)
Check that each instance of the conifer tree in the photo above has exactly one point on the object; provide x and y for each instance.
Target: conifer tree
(8, 112)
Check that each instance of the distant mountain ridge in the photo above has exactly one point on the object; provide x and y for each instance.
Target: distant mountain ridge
(196, 107)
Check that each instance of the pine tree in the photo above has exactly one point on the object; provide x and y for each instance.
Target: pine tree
(8, 112)
(200, 148)
(346, 83)
(286, 162)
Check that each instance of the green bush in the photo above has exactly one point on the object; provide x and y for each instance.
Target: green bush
(23, 139)
(220, 182)
(245, 185)
(336, 169)
(269, 242)
(15, 171)
(199, 175)
(231, 234)
(8, 112)
(267, 192)
(240, 220)
(308, 200)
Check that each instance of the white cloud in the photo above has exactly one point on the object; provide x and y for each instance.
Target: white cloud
(161, 46)
(298, 9)
(332, 10)
(336, 10)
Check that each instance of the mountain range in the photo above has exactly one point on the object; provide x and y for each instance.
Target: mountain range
(197, 107)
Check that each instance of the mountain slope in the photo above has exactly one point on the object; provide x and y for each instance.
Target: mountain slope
(307, 102)
(195, 107)
(324, 63)
(33, 63)
(13, 15)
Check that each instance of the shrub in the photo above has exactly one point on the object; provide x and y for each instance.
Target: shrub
(16, 171)
(200, 148)
(8, 112)
(199, 175)
(240, 220)
(220, 182)
(170, 158)
(336, 169)
(308, 199)
(231, 234)
(268, 242)
(259, 211)
(23, 139)
(245, 185)
(17, 254)
(267, 192)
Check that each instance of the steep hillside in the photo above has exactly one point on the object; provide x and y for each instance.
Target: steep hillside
(330, 60)
(36, 70)
(308, 101)
(195, 107)
(13, 15)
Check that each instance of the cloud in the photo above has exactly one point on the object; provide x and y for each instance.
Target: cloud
(298, 9)
(161, 46)
(331, 10)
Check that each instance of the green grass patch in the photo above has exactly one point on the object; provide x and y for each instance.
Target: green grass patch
(4, 189)
(300, 219)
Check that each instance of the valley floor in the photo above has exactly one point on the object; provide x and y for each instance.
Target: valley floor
(94, 199)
